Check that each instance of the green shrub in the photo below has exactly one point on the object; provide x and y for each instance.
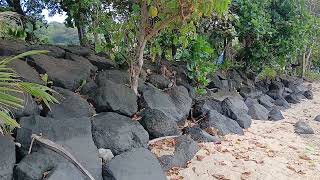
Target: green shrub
(267, 73)
(201, 61)
(272, 31)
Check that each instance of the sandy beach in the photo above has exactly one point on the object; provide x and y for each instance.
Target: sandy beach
(267, 151)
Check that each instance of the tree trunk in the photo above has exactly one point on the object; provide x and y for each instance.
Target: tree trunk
(308, 60)
(97, 41)
(303, 65)
(137, 66)
(80, 23)
(81, 34)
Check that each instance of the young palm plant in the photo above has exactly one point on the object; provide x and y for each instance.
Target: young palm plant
(11, 87)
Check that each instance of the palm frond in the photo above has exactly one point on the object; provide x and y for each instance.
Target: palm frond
(39, 91)
(28, 53)
(5, 119)
(11, 87)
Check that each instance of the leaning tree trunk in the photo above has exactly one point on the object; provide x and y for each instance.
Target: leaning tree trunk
(95, 17)
(305, 62)
(81, 34)
(308, 59)
(303, 65)
(136, 66)
(137, 63)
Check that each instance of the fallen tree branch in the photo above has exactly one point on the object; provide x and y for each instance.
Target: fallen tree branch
(60, 150)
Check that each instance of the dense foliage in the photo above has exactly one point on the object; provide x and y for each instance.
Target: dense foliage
(272, 32)
(258, 35)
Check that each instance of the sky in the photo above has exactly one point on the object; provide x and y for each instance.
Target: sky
(57, 18)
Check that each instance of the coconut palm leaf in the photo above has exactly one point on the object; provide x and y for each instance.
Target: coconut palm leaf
(39, 91)
(10, 88)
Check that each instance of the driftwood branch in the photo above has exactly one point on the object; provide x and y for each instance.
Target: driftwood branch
(161, 138)
(60, 150)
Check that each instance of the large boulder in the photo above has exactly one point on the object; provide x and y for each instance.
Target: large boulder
(159, 81)
(185, 150)
(275, 114)
(74, 134)
(256, 110)
(101, 63)
(216, 82)
(137, 164)
(30, 107)
(12, 47)
(289, 81)
(63, 72)
(7, 157)
(263, 85)
(81, 60)
(219, 95)
(308, 94)
(248, 79)
(276, 90)
(70, 105)
(223, 124)
(287, 92)
(249, 92)
(54, 51)
(110, 96)
(292, 98)
(237, 110)
(282, 103)
(26, 72)
(199, 135)
(118, 133)
(235, 79)
(175, 103)
(302, 127)
(117, 76)
(65, 171)
(202, 107)
(158, 124)
(35, 165)
(298, 88)
(266, 101)
(88, 89)
(79, 50)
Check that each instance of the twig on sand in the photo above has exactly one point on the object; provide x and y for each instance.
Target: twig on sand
(161, 138)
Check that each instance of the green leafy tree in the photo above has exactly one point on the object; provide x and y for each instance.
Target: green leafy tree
(273, 33)
(30, 12)
(142, 21)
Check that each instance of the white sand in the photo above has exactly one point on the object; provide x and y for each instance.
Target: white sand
(267, 151)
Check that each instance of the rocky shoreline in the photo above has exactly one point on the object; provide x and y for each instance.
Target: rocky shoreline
(98, 113)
